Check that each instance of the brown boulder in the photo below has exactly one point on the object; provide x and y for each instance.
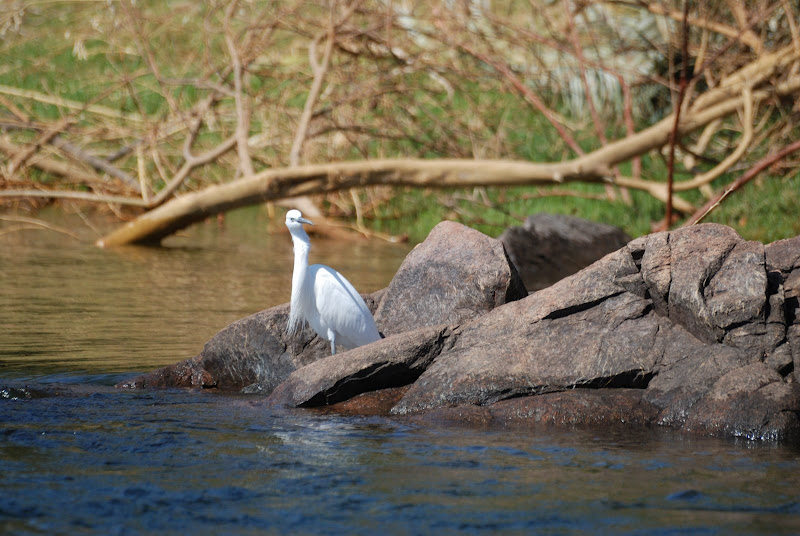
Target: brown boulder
(549, 247)
(436, 284)
(690, 329)
(392, 362)
(252, 351)
(455, 275)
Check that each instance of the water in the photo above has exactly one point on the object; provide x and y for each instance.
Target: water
(80, 457)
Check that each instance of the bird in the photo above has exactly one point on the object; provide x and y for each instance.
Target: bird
(322, 297)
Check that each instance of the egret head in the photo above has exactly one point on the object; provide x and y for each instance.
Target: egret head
(295, 220)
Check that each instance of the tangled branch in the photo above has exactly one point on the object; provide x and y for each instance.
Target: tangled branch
(219, 101)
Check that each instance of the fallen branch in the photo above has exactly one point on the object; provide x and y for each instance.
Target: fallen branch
(277, 184)
(19, 160)
(99, 164)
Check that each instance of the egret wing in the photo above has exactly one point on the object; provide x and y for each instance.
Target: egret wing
(342, 309)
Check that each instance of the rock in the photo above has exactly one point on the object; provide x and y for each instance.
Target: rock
(455, 275)
(438, 283)
(718, 286)
(542, 345)
(783, 263)
(751, 402)
(549, 247)
(694, 329)
(370, 403)
(254, 351)
(392, 362)
(578, 407)
(690, 329)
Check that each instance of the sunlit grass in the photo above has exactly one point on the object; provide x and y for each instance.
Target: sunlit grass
(59, 54)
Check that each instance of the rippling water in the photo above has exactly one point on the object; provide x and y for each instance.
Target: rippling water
(78, 456)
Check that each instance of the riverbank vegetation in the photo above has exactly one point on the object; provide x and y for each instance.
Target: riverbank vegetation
(164, 113)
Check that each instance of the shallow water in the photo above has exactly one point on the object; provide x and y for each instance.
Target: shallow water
(78, 456)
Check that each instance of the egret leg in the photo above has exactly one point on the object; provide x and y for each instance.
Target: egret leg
(332, 337)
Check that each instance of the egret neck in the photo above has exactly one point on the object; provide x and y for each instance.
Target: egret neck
(302, 244)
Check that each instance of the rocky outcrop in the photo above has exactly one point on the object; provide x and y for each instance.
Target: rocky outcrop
(694, 329)
(438, 283)
(549, 247)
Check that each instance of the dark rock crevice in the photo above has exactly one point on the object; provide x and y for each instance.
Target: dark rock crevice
(630, 379)
(579, 308)
(372, 378)
(786, 370)
(520, 392)
(791, 308)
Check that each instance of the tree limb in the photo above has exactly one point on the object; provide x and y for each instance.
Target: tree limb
(751, 173)
(66, 103)
(731, 159)
(83, 196)
(50, 165)
(240, 98)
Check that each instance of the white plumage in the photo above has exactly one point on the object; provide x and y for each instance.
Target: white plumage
(326, 300)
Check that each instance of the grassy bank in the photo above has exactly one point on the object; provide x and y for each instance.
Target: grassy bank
(83, 54)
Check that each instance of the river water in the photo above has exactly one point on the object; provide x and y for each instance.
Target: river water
(80, 457)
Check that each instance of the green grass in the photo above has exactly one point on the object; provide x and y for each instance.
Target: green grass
(765, 209)
(44, 61)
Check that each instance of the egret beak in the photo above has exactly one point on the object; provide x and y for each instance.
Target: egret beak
(303, 220)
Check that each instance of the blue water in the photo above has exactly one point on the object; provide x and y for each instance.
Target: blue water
(78, 456)
(82, 457)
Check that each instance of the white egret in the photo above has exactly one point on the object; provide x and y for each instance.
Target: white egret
(322, 297)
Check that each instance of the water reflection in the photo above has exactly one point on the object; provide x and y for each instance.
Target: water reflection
(65, 304)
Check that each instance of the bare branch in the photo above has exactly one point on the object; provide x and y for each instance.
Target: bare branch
(70, 104)
(34, 223)
(748, 37)
(731, 159)
(56, 167)
(319, 69)
(98, 164)
(751, 173)
(83, 196)
(19, 159)
(673, 137)
(188, 165)
(242, 111)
